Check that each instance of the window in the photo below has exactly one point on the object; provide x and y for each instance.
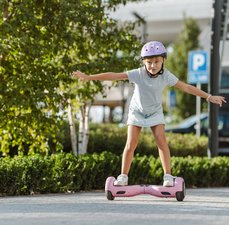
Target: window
(226, 121)
(225, 78)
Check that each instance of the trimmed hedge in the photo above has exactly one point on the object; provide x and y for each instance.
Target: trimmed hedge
(66, 172)
(110, 137)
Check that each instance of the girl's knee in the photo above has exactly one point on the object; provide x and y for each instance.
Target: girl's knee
(161, 140)
(130, 147)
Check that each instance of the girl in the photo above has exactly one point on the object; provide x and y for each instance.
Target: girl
(145, 108)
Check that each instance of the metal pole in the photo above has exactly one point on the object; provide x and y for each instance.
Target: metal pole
(144, 26)
(214, 77)
(198, 112)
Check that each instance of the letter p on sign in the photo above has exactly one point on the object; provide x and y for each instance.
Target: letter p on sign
(198, 61)
(197, 67)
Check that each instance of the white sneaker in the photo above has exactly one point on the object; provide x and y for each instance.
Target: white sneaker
(121, 180)
(168, 180)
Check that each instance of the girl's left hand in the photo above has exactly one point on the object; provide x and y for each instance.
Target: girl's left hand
(219, 100)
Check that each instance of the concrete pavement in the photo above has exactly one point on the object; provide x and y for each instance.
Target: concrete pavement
(200, 206)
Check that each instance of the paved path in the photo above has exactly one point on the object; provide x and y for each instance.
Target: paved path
(200, 206)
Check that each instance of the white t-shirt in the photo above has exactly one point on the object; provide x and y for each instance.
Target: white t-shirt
(147, 96)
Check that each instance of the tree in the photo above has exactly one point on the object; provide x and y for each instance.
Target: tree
(41, 43)
(98, 53)
(30, 70)
(178, 63)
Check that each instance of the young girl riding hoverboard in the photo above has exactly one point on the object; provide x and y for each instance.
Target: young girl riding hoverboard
(145, 108)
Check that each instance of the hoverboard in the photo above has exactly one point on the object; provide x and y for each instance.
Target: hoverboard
(177, 191)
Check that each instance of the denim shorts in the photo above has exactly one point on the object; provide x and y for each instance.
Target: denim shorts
(145, 120)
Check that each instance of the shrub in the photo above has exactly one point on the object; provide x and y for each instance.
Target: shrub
(110, 137)
(24, 175)
(65, 172)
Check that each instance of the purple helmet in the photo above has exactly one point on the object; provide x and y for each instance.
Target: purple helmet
(153, 48)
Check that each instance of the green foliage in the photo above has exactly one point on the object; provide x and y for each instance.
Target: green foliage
(110, 137)
(107, 138)
(68, 173)
(177, 62)
(56, 173)
(202, 172)
(187, 144)
(24, 175)
(42, 42)
(30, 73)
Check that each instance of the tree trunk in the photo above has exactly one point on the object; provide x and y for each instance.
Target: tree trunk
(72, 128)
(127, 103)
(84, 128)
(6, 11)
(81, 128)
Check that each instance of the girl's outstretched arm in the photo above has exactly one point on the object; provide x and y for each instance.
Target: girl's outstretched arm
(219, 100)
(100, 76)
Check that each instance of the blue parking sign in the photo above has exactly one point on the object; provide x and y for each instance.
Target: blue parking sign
(197, 67)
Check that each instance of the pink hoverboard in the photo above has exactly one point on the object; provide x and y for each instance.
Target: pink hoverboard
(177, 191)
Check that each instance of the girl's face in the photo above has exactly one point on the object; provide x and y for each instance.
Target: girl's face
(154, 64)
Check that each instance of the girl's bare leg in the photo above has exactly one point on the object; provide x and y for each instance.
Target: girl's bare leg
(131, 144)
(163, 148)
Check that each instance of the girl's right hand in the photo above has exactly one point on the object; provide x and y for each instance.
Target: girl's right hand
(80, 75)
